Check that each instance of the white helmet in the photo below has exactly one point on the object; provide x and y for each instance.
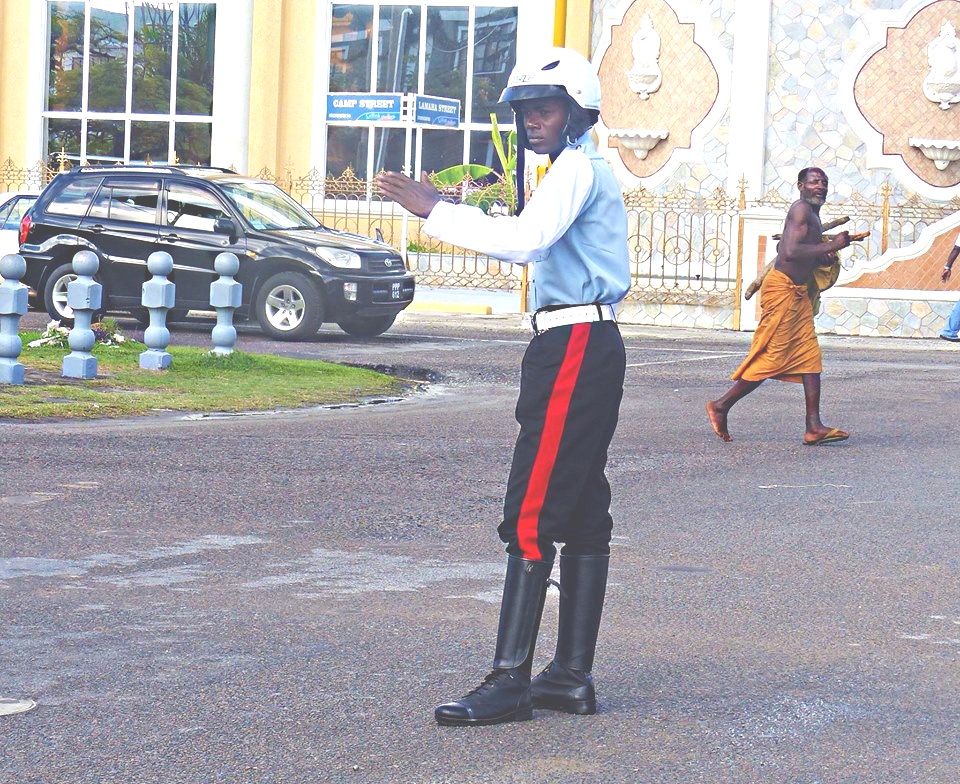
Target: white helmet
(554, 72)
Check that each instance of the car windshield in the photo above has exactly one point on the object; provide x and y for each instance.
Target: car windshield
(266, 207)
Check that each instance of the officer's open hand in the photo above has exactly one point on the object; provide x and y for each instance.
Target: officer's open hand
(417, 197)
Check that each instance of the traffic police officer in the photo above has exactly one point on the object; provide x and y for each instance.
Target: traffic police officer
(573, 232)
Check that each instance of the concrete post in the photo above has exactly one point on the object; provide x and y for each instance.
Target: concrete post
(84, 295)
(13, 305)
(225, 297)
(159, 295)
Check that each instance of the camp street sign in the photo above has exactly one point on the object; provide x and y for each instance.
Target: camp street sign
(424, 110)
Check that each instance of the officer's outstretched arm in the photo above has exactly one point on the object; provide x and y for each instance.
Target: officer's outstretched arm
(417, 197)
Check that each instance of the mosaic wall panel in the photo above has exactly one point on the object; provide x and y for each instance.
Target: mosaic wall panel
(838, 316)
(678, 62)
(889, 93)
(678, 106)
(809, 41)
(883, 317)
(659, 314)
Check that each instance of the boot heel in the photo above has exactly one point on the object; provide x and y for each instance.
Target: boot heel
(586, 707)
(581, 707)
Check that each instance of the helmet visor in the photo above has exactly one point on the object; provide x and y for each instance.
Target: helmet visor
(527, 92)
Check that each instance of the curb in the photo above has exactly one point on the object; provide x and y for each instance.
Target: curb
(449, 307)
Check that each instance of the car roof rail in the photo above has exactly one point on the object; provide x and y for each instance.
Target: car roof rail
(151, 167)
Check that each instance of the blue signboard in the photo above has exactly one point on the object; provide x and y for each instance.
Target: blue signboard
(433, 111)
(364, 107)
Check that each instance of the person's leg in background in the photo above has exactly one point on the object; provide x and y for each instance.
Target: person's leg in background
(951, 330)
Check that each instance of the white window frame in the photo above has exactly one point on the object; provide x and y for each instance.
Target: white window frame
(534, 28)
(231, 79)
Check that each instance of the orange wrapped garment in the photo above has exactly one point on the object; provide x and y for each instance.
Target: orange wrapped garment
(785, 344)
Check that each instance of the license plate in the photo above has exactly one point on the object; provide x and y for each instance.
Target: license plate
(394, 291)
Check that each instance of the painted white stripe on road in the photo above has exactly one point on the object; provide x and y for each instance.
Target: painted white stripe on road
(676, 361)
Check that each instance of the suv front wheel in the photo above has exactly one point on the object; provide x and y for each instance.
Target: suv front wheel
(289, 306)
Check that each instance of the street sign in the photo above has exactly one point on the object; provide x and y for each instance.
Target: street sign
(433, 111)
(364, 107)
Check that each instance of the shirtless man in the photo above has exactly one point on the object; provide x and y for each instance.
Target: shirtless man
(785, 344)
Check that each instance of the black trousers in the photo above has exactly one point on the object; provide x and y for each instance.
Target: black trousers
(571, 385)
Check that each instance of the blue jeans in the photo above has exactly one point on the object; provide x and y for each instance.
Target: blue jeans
(953, 323)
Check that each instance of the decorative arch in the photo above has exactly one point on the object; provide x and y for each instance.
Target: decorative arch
(690, 100)
(882, 94)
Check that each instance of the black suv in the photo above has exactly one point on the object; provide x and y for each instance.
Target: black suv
(296, 273)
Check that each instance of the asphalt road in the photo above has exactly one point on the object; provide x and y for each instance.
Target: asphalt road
(285, 597)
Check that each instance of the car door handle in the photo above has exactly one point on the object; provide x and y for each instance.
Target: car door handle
(98, 227)
(169, 238)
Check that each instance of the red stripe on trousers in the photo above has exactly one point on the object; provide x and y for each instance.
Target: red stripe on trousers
(528, 523)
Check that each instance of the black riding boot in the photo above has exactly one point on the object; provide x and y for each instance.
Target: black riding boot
(566, 684)
(504, 694)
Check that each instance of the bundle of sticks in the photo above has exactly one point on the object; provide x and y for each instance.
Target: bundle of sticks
(754, 287)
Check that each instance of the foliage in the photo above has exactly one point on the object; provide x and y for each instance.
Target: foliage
(415, 246)
(466, 181)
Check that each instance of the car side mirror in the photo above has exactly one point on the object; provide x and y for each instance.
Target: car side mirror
(225, 226)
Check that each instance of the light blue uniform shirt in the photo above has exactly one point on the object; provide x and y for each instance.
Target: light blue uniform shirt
(573, 230)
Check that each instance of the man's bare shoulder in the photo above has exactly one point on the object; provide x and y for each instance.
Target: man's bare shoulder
(800, 209)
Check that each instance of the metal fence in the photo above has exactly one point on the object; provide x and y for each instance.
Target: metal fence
(684, 245)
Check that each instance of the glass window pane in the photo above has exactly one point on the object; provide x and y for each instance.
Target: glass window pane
(399, 55)
(108, 61)
(152, 53)
(446, 61)
(149, 141)
(105, 140)
(74, 198)
(441, 150)
(388, 146)
(482, 150)
(134, 202)
(63, 137)
(12, 214)
(494, 53)
(192, 143)
(66, 57)
(192, 208)
(350, 55)
(347, 149)
(195, 59)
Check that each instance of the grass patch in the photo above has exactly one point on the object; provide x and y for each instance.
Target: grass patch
(196, 381)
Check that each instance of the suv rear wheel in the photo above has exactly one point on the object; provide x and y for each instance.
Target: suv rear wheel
(367, 326)
(289, 306)
(55, 294)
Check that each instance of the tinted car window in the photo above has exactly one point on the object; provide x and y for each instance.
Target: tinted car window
(74, 199)
(17, 210)
(6, 212)
(266, 207)
(128, 201)
(192, 208)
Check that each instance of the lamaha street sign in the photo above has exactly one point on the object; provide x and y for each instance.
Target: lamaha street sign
(433, 111)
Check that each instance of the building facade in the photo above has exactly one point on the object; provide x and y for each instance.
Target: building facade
(711, 99)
